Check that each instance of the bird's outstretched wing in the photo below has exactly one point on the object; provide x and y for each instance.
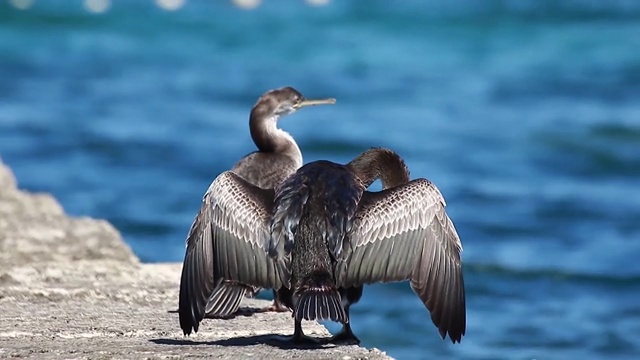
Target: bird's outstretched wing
(228, 240)
(404, 233)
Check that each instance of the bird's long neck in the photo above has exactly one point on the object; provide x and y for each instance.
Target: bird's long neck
(269, 138)
(381, 164)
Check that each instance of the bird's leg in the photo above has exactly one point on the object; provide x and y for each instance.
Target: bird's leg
(277, 305)
(299, 337)
(345, 335)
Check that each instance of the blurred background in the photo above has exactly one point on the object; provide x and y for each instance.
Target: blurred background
(525, 113)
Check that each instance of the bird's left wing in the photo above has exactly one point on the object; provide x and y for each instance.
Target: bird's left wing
(228, 240)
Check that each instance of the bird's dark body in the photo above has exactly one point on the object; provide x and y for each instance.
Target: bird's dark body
(322, 199)
(311, 262)
(324, 196)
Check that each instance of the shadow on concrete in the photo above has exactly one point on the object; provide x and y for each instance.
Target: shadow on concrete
(279, 341)
(244, 311)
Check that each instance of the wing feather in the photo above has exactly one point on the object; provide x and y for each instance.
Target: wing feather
(404, 233)
(228, 240)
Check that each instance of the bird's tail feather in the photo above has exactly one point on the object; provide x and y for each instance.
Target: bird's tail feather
(320, 303)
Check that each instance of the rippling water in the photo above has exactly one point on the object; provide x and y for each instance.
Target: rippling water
(525, 113)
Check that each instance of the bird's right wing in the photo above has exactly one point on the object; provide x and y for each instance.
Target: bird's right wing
(404, 233)
(228, 240)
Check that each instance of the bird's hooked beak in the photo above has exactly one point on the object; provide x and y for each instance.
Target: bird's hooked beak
(310, 102)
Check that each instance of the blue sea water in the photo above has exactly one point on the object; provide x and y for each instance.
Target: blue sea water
(525, 113)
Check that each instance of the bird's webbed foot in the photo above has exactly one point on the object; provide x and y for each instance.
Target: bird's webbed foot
(345, 336)
(299, 337)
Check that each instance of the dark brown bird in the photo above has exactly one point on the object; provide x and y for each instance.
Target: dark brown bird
(320, 236)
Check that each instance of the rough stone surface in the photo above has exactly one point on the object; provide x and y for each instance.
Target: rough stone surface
(71, 288)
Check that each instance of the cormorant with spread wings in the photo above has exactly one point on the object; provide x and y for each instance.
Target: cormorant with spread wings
(320, 236)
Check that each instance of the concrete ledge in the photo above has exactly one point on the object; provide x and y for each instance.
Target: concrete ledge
(71, 288)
